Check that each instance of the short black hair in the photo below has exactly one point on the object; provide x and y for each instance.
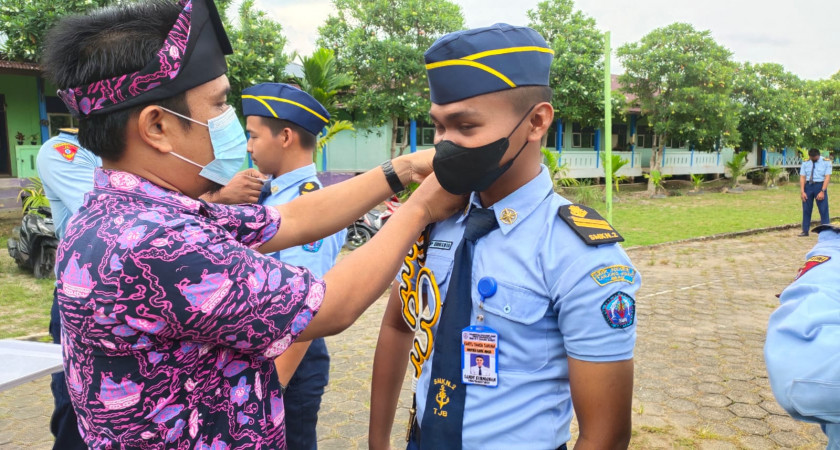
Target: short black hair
(107, 43)
(523, 98)
(307, 139)
(813, 152)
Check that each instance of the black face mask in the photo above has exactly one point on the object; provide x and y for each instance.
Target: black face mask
(461, 170)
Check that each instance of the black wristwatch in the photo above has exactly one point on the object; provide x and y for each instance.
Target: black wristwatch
(392, 177)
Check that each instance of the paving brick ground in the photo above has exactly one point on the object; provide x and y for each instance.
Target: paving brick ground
(700, 378)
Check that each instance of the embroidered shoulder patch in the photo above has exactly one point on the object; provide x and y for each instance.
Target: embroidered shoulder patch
(812, 262)
(313, 247)
(67, 150)
(589, 225)
(619, 310)
(308, 187)
(614, 274)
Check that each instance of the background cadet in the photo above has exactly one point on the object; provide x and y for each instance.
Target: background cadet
(66, 171)
(283, 123)
(548, 295)
(802, 336)
(813, 180)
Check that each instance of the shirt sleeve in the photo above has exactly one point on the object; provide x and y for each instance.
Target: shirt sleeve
(594, 298)
(828, 168)
(801, 347)
(67, 180)
(250, 225)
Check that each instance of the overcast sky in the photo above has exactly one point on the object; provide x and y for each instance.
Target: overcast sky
(804, 35)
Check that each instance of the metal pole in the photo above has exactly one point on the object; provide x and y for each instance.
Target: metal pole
(608, 125)
(412, 137)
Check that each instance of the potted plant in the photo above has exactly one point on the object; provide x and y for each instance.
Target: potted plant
(33, 139)
(19, 137)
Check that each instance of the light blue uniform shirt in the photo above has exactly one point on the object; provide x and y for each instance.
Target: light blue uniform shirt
(318, 256)
(66, 169)
(821, 169)
(803, 338)
(547, 307)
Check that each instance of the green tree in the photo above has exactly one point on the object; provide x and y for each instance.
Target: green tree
(577, 71)
(258, 50)
(822, 129)
(24, 23)
(773, 113)
(323, 81)
(682, 79)
(382, 43)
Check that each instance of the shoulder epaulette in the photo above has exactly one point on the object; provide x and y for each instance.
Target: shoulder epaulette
(73, 131)
(589, 225)
(821, 228)
(307, 187)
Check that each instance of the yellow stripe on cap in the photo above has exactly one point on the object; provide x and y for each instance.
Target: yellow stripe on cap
(278, 99)
(462, 62)
(505, 51)
(263, 102)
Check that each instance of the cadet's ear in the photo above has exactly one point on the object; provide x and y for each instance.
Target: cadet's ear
(541, 119)
(288, 137)
(156, 128)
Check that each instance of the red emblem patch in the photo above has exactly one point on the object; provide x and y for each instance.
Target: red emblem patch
(812, 262)
(68, 151)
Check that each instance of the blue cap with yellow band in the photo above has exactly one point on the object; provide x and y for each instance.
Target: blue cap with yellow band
(468, 63)
(285, 102)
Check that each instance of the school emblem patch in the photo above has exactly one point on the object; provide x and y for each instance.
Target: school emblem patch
(619, 310)
(589, 225)
(614, 274)
(313, 247)
(67, 150)
(308, 187)
(812, 262)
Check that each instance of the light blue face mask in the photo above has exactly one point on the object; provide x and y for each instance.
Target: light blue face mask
(229, 146)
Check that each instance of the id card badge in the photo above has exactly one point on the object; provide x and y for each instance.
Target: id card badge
(480, 356)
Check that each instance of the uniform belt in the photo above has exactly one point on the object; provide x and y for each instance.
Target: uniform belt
(814, 182)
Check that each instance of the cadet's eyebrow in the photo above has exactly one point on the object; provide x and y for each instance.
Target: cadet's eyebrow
(453, 116)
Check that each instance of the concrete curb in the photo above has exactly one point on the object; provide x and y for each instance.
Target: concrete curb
(732, 235)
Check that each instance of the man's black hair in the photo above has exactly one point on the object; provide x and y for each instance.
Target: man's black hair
(813, 152)
(307, 139)
(523, 98)
(107, 43)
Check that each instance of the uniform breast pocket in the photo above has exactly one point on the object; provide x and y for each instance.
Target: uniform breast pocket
(519, 316)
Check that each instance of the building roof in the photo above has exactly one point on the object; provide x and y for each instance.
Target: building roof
(632, 106)
(19, 68)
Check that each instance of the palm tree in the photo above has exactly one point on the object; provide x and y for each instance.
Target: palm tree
(322, 80)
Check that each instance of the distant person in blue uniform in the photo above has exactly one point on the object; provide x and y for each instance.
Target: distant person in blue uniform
(802, 339)
(66, 171)
(536, 285)
(283, 123)
(813, 180)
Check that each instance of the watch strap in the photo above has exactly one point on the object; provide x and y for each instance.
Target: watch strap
(392, 177)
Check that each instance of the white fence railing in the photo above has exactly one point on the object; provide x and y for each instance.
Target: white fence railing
(588, 164)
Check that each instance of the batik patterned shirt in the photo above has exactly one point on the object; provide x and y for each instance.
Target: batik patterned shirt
(171, 319)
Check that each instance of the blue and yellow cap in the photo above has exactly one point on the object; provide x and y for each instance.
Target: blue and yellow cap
(467, 63)
(286, 102)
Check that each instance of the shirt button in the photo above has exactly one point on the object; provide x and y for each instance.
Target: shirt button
(507, 309)
(480, 318)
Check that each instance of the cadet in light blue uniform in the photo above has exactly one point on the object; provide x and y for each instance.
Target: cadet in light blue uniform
(813, 181)
(66, 170)
(551, 307)
(283, 122)
(803, 336)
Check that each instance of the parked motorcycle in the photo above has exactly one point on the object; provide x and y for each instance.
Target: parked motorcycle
(33, 243)
(366, 226)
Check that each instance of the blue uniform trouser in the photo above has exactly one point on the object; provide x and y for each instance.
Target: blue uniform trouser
(63, 423)
(302, 399)
(812, 189)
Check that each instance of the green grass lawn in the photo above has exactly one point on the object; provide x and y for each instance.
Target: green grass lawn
(645, 221)
(25, 302)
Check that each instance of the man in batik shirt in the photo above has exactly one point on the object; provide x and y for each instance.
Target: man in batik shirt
(170, 317)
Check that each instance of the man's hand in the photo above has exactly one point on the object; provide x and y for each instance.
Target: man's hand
(820, 196)
(414, 167)
(438, 204)
(804, 196)
(245, 187)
